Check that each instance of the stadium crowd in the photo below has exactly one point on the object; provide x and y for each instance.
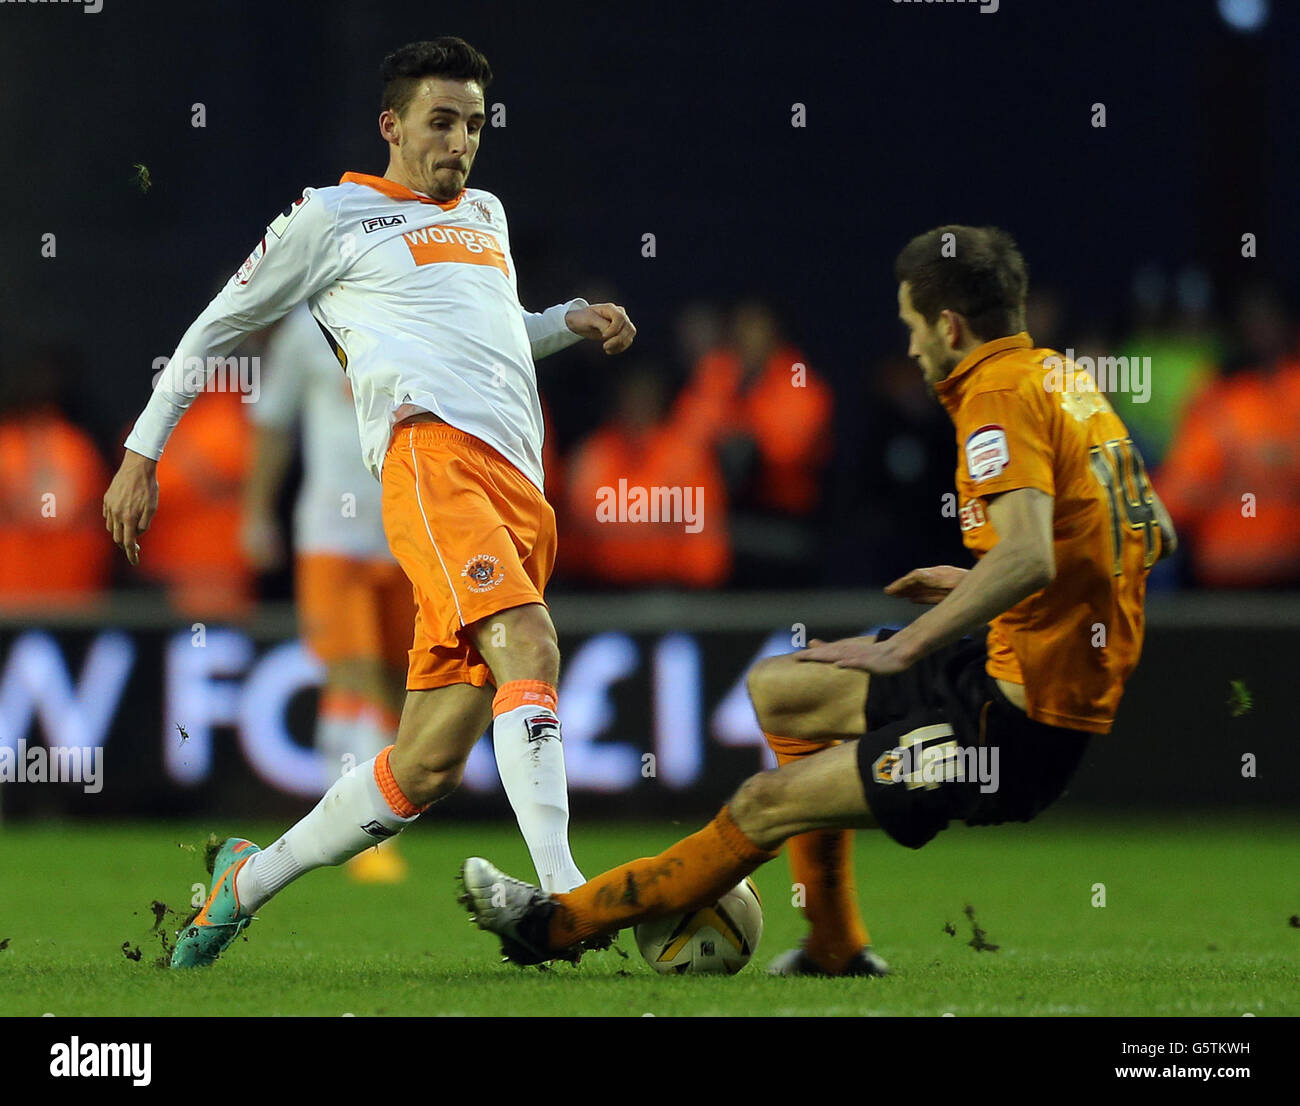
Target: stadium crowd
(805, 476)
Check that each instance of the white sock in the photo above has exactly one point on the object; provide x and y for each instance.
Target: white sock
(530, 758)
(353, 815)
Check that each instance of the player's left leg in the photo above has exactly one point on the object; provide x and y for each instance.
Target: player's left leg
(519, 645)
(804, 709)
(477, 538)
(821, 792)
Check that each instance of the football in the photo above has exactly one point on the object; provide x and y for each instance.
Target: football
(715, 940)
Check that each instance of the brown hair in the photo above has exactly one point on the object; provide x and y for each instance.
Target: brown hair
(448, 56)
(982, 277)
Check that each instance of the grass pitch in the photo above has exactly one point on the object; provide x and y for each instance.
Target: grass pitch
(1198, 920)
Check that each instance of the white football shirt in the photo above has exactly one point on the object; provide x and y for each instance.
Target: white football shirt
(338, 509)
(419, 299)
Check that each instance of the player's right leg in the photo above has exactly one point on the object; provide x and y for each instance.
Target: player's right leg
(342, 613)
(362, 807)
(803, 709)
(816, 793)
(379, 798)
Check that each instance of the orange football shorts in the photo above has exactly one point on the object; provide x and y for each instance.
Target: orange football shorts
(474, 536)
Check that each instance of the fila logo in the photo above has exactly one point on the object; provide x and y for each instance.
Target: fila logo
(543, 727)
(382, 221)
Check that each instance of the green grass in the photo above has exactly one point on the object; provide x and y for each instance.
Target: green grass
(1196, 922)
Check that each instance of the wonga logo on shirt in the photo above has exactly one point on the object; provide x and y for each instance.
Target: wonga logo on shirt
(433, 245)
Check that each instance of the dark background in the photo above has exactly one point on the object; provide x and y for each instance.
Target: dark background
(628, 119)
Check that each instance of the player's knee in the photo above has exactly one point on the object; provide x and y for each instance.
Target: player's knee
(426, 777)
(522, 649)
(431, 783)
(542, 653)
(756, 807)
(766, 683)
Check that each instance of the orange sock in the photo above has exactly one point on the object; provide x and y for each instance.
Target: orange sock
(690, 874)
(398, 803)
(822, 862)
(519, 693)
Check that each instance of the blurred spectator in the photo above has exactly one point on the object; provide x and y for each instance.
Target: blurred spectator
(1173, 326)
(54, 550)
(1232, 478)
(698, 330)
(638, 453)
(193, 545)
(895, 506)
(768, 416)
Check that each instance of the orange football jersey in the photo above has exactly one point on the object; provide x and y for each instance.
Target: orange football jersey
(1025, 420)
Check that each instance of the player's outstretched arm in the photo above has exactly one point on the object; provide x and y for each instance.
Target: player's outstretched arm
(298, 255)
(1022, 562)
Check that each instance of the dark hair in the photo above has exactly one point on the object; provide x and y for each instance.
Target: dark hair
(980, 275)
(448, 56)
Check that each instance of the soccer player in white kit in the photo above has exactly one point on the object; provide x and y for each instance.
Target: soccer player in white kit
(355, 606)
(411, 280)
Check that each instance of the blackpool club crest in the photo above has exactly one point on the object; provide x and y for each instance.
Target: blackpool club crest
(482, 573)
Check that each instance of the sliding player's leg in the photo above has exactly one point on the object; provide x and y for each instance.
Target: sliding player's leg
(804, 709)
(816, 793)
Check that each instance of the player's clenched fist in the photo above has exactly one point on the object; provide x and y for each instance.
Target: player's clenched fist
(604, 321)
(927, 585)
(130, 503)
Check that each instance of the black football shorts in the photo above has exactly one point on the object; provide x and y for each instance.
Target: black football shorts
(944, 743)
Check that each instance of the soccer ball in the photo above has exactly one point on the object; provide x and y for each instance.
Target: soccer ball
(715, 940)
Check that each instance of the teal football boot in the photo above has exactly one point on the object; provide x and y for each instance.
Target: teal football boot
(210, 932)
